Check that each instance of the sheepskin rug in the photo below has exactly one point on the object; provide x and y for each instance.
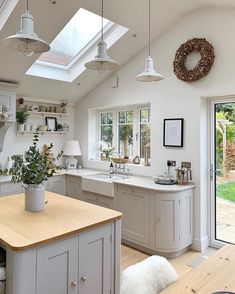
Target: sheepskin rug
(149, 276)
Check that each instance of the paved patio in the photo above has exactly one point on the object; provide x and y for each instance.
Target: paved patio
(225, 220)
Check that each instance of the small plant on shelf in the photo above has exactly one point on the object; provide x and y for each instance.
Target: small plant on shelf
(22, 116)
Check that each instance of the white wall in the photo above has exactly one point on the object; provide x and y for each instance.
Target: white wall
(14, 144)
(173, 98)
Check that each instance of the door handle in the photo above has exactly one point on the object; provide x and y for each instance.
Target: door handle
(212, 172)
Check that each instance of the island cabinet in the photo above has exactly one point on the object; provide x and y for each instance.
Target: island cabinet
(72, 247)
(74, 187)
(156, 221)
(77, 265)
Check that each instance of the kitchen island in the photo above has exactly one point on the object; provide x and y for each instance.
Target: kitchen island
(70, 247)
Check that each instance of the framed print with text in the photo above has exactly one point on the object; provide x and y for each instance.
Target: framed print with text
(173, 132)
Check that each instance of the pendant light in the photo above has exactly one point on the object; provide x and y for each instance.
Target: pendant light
(102, 60)
(149, 74)
(26, 41)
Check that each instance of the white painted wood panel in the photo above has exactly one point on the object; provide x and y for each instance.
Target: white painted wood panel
(95, 261)
(167, 221)
(74, 187)
(135, 205)
(56, 184)
(57, 267)
(186, 218)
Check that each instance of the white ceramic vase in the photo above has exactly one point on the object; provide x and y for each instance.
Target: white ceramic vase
(35, 198)
(20, 127)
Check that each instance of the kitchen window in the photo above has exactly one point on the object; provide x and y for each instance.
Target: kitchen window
(124, 132)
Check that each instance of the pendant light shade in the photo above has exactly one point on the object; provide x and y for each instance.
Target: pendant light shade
(26, 41)
(149, 74)
(102, 60)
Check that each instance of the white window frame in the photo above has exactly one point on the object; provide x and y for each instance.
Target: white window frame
(136, 125)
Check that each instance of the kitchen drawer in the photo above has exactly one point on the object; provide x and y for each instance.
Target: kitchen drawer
(132, 190)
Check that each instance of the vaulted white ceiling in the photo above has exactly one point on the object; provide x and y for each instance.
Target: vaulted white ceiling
(50, 19)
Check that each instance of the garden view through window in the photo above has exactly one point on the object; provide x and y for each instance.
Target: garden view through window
(124, 133)
(225, 172)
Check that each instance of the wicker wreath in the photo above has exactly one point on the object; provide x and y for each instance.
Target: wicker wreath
(204, 65)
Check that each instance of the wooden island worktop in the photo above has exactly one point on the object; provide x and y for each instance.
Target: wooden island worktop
(62, 217)
(70, 247)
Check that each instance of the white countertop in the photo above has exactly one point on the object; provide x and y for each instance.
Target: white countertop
(132, 180)
(148, 183)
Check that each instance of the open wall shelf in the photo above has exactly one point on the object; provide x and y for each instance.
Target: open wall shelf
(61, 133)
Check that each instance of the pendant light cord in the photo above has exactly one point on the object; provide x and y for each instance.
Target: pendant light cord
(27, 5)
(149, 27)
(102, 20)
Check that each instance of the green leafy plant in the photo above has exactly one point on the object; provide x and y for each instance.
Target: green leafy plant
(37, 167)
(106, 149)
(22, 116)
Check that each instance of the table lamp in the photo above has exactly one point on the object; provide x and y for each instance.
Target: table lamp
(71, 149)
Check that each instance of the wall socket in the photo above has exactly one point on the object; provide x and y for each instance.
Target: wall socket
(186, 164)
(171, 163)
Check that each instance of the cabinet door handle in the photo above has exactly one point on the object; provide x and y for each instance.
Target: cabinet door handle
(73, 284)
(83, 278)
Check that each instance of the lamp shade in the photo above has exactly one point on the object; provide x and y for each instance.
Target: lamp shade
(26, 40)
(72, 148)
(102, 61)
(149, 74)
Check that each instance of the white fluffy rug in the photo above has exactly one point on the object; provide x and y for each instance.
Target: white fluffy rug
(149, 276)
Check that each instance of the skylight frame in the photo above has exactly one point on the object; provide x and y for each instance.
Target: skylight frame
(70, 72)
(6, 9)
(110, 26)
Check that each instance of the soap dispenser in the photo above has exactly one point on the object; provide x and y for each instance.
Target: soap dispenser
(111, 168)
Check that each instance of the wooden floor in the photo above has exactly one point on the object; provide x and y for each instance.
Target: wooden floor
(131, 256)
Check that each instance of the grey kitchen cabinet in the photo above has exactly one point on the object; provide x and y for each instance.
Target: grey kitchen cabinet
(74, 187)
(84, 264)
(9, 188)
(98, 199)
(156, 221)
(134, 203)
(167, 221)
(57, 268)
(95, 261)
(186, 218)
(56, 184)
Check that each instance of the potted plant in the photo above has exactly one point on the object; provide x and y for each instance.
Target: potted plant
(32, 173)
(106, 150)
(21, 118)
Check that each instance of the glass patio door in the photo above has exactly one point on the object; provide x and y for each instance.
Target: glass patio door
(222, 171)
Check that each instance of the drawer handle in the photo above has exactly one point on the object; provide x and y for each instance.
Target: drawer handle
(73, 284)
(83, 278)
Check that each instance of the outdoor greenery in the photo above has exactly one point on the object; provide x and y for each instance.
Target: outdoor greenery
(226, 191)
(225, 112)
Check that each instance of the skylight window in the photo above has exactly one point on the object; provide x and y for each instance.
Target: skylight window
(75, 45)
(6, 8)
(78, 32)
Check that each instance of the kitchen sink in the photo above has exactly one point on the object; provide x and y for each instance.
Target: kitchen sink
(110, 177)
(101, 183)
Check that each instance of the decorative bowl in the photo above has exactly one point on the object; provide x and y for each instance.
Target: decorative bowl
(119, 160)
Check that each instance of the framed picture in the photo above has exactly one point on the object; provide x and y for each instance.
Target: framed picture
(173, 132)
(51, 123)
